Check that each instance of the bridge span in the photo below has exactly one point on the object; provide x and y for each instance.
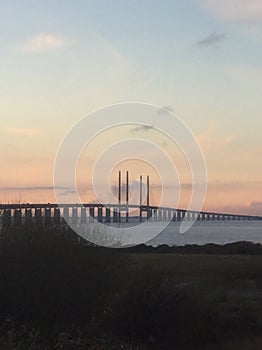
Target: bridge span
(53, 214)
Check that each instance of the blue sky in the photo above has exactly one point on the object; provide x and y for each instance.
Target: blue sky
(63, 59)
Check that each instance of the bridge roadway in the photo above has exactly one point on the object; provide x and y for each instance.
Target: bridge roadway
(50, 214)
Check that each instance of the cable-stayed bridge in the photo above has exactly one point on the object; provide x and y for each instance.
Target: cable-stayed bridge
(121, 212)
(52, 214)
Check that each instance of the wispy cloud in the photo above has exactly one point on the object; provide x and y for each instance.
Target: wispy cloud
(255, 204)
(30, 188)
(234, 185)
(43, 42)
(24, 132)
(142, 128)
(235, 10)
(212, 39)
(255, 207)
(165, 109)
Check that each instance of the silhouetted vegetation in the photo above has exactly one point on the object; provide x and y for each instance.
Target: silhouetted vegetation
(57, 292)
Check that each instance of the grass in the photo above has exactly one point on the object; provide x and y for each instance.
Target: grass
(58, 293)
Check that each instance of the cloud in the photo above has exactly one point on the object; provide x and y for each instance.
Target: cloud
(234, 185)
(235, 209)
(142, 128)
(165, 109)
(24, 132)
(43, 42)
(212, 39)
(235, 10)
(255, 205)
(68, 191)
(30, 188)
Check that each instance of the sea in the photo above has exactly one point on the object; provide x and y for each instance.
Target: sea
(157, 233)
(218, 232)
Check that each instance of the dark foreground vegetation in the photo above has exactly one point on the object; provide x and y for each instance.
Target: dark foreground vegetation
(59, 293)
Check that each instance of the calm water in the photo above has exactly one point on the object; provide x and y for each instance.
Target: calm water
(211, 232)
(219, 232)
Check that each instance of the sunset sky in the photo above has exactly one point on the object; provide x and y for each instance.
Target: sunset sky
(202, 59)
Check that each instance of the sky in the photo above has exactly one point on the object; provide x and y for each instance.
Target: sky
(202, 59)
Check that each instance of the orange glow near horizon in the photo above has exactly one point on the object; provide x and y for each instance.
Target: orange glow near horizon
(217, 199)
(31, 180)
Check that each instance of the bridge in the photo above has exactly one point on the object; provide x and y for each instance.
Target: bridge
(14, 215)
(51, 214)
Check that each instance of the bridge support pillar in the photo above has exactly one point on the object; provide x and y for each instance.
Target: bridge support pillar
(91, 214)
(38, 216)
(74, 215)
(17, 217)
(28, 216)
(108, 215)
(57, 216)
(83, 215)
(47, 216)
(6, 219)
(100, 214)
(155, 214)
(149, 214)
(115, 215)
(66, 213)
